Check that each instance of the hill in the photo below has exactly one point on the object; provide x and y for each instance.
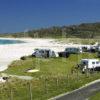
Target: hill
(84, 30)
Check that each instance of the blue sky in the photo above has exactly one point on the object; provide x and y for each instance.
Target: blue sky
(21, 15)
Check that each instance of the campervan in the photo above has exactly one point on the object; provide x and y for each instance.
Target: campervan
(92, 64)
(46, 53)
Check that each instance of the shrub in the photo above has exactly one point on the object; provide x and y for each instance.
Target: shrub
(23, 58)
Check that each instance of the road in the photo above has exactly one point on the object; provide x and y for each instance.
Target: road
(80, 94)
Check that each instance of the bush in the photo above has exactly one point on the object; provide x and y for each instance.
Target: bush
(23, 58)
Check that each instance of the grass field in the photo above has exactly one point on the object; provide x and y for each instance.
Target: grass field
(79, 40)
(55, 77)
(54, 66)
(95, 97)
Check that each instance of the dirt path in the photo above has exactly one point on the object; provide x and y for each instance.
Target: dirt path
(22, 77)
(17, 76)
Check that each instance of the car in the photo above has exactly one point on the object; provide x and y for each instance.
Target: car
(64, 54)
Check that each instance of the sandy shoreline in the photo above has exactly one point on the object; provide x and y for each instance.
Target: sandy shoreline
(11, 52)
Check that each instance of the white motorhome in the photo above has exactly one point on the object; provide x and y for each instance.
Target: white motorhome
(46, 53)
(90, 64)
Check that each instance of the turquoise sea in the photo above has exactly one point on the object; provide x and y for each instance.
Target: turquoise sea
(5, 41)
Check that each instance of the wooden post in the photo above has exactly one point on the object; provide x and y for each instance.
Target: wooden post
(10, 90)
(67, 80)
(30, 91)
(77, 76)
(11, 94)
(45, 85)
(57, 82)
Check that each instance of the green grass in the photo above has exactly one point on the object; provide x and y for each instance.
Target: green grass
(52, 66)
(54, 77)
(79, 40)
(95, 97)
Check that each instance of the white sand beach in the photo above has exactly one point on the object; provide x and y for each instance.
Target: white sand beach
(11, 52)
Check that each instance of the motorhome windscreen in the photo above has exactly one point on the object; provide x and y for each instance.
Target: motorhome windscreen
(84, 62)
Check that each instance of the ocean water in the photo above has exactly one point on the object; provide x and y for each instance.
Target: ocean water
(5, 41)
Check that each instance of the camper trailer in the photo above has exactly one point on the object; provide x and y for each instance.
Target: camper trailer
(46, 53)
(73, 50)
(91, 64)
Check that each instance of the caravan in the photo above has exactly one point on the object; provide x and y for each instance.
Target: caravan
(91, 64)
(46, 53)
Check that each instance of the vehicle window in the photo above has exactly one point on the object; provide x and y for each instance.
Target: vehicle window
(97, 62)
(84, 63)
(53, 52)
(93, 62)
(41, 51)
(66, 49)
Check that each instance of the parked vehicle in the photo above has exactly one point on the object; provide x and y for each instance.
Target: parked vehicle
(73, 50)
(84, 49)
(93, 49)
(46, 53)
(63, 54)
(98, 48)
(90, 64)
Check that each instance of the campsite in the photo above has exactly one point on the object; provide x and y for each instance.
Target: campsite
(49, 49)
(48, 71)
(55, 76)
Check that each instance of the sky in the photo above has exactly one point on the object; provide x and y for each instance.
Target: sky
(23, 15)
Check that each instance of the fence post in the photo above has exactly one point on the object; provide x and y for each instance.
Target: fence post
(11, 94)
(10, 90)
(45, 85)
(67, 80)
(30, 91)
(57, 82)
(77, 76)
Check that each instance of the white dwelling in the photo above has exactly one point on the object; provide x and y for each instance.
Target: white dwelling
(46, 53)
(73, 50)
(93, 64)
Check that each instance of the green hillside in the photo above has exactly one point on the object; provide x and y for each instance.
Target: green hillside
(84, 30)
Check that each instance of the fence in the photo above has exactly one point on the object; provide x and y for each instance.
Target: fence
(43, 87)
